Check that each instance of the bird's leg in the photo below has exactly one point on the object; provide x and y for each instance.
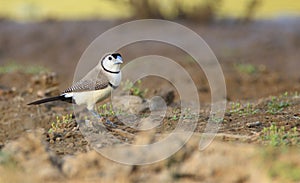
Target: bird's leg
(98, 116)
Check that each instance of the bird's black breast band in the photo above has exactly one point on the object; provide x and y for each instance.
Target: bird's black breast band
(113, 86)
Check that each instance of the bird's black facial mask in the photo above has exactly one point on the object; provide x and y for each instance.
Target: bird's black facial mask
(118, 58)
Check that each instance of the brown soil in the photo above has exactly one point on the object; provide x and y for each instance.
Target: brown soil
(29, 148)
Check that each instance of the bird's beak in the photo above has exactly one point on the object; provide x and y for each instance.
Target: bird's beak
(119, 60)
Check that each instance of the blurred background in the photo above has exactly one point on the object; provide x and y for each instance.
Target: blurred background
(197, 10)
(256, 40)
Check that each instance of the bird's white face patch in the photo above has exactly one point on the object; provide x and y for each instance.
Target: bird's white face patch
(112, 62)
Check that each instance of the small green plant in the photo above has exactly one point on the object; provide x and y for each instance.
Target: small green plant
(285, 94)
(289, 94)
(246, 68)
(106, 110)
(276, 105)
(175, 114)
(186, 114)
(243, 110)
(278, 136)
(216, 119)
(174, 117)
(14, 67)
(296, 94)
(133, 89)
(60, 123)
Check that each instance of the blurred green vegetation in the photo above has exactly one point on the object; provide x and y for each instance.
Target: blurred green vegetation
(200, 10)
(15, 67)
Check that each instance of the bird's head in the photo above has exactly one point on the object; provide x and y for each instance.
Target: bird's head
(111, 63)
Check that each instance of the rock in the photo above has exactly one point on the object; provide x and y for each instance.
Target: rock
(5, 90)
(93, 164)
(71, 145)
(31, 155)
(48, 92)
(168, 97)
(46, 79)
(212, 164)
(58, 139)
(129, 104)
(68, 134)
(253, 124)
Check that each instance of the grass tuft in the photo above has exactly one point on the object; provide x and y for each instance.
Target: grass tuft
(243, 110)
(277, 104)
(246, 68)
(60, 124)
(134, 89)
(279, 136)
(106, 110)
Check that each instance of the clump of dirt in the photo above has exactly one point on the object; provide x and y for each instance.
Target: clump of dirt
(187, 165)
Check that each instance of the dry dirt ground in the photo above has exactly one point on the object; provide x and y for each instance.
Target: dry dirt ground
(257, 141)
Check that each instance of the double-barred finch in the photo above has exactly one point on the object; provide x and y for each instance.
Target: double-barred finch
(91, 89)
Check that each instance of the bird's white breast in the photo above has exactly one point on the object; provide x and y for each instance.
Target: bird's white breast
(114, 79)
(89, 98)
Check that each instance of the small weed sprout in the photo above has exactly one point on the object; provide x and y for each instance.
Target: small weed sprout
(106, 110)
(276, 105)
(133, 89)
(175, 115)
(245, 68)
(235, 107)
(186, 114)
(275, 136)
(238, 108)
(60, 123)
(296, 94)
(216, 119)
(285, 94)
(291, 94)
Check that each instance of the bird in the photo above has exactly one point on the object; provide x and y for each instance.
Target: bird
(94, 87)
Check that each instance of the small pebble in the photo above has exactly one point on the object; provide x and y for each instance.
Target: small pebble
(68, 134)
(40, 93)
(71, 145)
(253, 124)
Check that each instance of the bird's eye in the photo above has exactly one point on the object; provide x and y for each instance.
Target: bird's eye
(109, 58)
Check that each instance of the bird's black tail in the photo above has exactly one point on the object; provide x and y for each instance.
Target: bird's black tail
(50, 99)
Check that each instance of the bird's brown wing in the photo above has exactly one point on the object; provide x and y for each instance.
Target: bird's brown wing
(99, 83)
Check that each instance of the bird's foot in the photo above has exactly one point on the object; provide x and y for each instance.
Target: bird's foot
(107, 122)
(110, 124)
